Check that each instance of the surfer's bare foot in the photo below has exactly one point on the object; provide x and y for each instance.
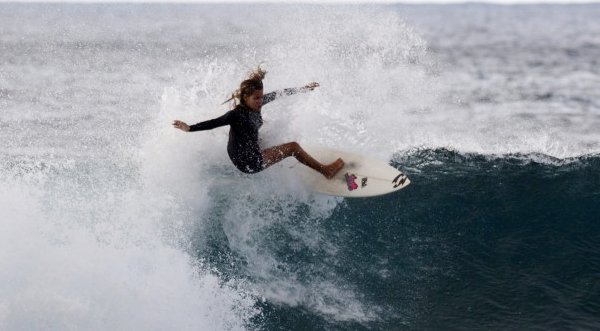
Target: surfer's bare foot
(333, 168)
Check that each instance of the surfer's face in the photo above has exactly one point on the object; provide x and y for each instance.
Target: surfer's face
(254, 100)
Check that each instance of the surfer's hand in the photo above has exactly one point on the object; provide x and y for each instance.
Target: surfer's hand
(311, 86)
(177, 124)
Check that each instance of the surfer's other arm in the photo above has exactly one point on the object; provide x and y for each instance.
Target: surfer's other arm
(206, 125)
(289, 91)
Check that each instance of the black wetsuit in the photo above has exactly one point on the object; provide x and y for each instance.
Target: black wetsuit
(244, 123)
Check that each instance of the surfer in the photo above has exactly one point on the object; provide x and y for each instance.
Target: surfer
(245, 120)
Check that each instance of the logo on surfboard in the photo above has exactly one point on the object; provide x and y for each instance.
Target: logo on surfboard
(399, 180)
(350, 181)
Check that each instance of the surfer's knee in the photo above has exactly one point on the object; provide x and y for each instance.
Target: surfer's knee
(294, 147)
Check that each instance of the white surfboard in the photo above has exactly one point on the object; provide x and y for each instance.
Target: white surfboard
(360, 177)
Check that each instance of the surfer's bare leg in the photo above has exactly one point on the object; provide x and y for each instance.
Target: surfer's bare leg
(275, 154)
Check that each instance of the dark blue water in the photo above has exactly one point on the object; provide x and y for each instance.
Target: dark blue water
(474, 243)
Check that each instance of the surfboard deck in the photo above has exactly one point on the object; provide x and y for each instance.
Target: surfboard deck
(360, 177)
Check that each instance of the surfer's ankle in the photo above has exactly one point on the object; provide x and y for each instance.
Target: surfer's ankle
(339, 164)
(330, 170)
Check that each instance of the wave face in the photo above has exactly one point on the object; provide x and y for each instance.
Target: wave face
(111, 219)
(493, 237)
(476, 241)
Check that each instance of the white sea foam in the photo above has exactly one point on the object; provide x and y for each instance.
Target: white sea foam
(57, 275)
(355, 108)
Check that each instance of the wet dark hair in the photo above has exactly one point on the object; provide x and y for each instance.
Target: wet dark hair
(249, 86)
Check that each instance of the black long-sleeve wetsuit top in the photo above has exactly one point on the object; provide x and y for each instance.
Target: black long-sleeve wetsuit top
(243, 148)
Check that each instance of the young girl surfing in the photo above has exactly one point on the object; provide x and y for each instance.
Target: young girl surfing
(245, 120)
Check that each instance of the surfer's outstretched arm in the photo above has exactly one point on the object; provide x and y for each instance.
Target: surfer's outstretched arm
(206, 125)
(288, 91)
(277, 153)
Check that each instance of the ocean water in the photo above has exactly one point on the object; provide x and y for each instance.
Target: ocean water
(112, 220)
